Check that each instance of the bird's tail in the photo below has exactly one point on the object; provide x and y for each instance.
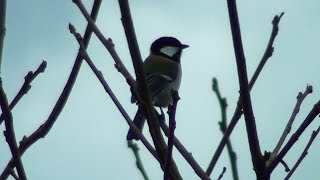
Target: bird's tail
(138, 120)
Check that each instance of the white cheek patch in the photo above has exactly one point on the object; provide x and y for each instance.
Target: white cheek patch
(169, 50)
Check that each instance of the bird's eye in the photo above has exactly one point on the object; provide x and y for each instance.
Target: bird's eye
(169, 50)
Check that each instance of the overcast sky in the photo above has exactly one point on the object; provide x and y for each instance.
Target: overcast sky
(88, 139)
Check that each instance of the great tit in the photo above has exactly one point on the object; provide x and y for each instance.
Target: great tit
(163, 72)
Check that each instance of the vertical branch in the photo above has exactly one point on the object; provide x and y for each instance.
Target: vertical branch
(245, 99)
(3, 7)
(146, 103)
(238, 111)
(172, 108)
(9, 133)
(223, 128)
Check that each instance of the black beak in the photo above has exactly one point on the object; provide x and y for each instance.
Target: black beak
(184, 46)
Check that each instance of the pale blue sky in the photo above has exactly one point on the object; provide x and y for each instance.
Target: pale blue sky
(88, 139)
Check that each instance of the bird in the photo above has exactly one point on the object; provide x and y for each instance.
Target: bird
(163, 74)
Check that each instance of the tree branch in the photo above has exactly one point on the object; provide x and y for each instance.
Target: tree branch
(108, 44)
(143, 89)
(185, 153)
(303, 154)
(9, 133)
(245, 98)
(300, 98)
(45, 128)
(26, 86)
(238, 111)
(222, 173)
(223, 127)
(269, 50)
(107, 88)
(172, 108)
(3, 8)
(293, 139)
(134, 147)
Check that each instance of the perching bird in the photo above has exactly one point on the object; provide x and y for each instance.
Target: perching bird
(163, 73)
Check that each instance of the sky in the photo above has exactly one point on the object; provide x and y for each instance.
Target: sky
(88, 140)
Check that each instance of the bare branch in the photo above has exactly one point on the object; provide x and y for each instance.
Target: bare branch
(172, 126)
(285, 165)
(269, 50)
(107, 88)
(108, 44)
(3, 8)
(143, 89)
(238, 111)
(185, 153)
(293, 139)
(222, 173)
(134, 147)
(26, 86)
(223, 127)
(14, 175)
(300, 98)
(304, 153)
(45, 128)
(10, 134)
(245, 98)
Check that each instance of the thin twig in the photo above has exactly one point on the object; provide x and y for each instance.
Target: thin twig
(315, 111)
(108, 44)
(135, 149)
(303, 154)
(300, 98)
(285, 165)
(245, 98)
(110, 47)
(238, 111)
(223, 127)
(110, 92)
(10, 134)
(222, 173)
(172, 108)
(185, 153)
(46, 126)
(269, 50)
(14, 175)
(26, 86)
(3, 8)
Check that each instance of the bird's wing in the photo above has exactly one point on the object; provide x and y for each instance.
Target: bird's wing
(157, 82)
